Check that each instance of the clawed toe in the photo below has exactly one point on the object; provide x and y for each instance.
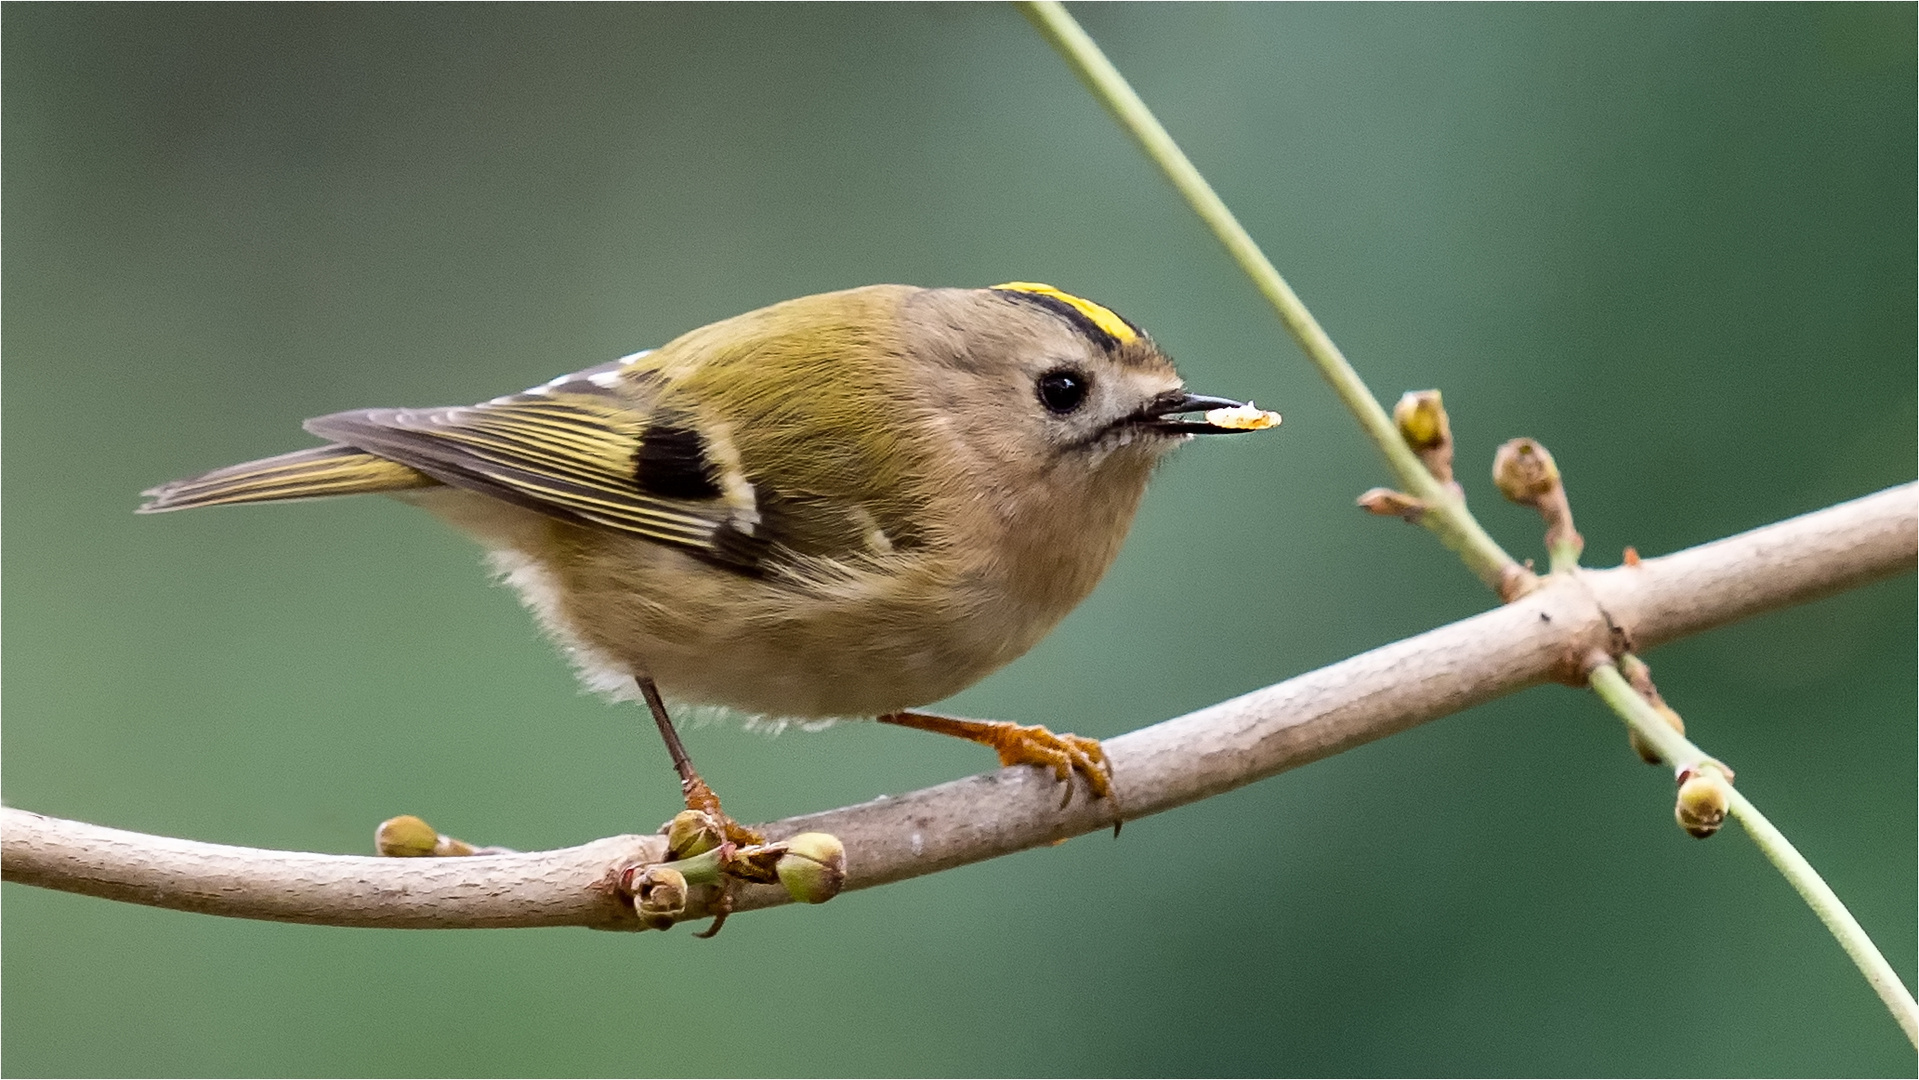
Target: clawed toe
(1019, 744)
(1064, 754)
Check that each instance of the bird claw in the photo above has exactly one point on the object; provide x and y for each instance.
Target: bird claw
(1019, 744)
(1064, 754)
(700, 797)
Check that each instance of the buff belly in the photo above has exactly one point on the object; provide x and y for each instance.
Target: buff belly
(840, 641)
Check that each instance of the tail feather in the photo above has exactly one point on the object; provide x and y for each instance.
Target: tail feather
(303, 474)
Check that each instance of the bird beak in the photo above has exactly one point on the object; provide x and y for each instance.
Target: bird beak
(1164, 415)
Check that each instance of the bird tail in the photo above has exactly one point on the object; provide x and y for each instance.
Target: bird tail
(303, 474)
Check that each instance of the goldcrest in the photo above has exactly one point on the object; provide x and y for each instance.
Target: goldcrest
(844, 505)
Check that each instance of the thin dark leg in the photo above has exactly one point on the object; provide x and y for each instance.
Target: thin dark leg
(699, 796)
(675, 749)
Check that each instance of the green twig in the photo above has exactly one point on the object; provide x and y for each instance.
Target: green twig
(1563, 555)
(1446, 511)
(1446, 514)
(1680, 753)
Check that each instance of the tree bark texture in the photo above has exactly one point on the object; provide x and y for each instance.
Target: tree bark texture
(1546, 635)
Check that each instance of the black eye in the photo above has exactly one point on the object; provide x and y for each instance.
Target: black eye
(1063, 391)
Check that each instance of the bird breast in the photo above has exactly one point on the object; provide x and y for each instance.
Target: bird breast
(818, 637)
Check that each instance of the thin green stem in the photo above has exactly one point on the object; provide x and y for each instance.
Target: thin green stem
(1563, 555)
(1611, 686)
(702, 869)
(1446, 511)
(1681, 753)
(1446, 514)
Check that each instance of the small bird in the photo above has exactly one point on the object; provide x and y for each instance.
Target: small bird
(845, 505)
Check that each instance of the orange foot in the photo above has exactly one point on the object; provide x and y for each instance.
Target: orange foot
(1025, 745)
(700, 797)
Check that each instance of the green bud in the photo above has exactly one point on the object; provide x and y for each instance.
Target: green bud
(1701, 807)
(405, 837)
(813, 869)
(692, 832)
(1422, 419)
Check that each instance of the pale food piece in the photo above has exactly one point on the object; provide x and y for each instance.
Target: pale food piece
(1243, 418)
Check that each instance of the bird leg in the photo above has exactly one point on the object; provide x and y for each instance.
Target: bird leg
(1024, 745)
(699, 796)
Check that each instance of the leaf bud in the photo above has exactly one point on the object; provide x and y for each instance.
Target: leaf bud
(692, 832)
(1421, 419)
(1640, 677)
(659, 896)
(813, 869)
(408, 837)
(1701, 807)
(1389, 503)
(1524, 471)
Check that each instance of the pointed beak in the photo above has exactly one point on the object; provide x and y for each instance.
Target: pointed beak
(1167, 415)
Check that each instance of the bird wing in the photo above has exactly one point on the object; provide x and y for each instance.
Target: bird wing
(591, 447)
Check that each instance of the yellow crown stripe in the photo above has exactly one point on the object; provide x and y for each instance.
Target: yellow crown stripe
(1102, 317)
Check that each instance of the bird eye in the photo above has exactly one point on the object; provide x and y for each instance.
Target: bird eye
(1063, 391)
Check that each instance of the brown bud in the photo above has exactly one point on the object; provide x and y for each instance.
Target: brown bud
(1389, 503)
(1701, 807)
(1524, 471)
(1647, 752)
(1638, 673)
(692, 832)
(813, 868)
(659, 896)
(1640, 677)
(1422, 419)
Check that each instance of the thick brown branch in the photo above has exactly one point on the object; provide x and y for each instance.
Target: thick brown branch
(1544, 636)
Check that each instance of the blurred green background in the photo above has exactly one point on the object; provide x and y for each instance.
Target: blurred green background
(1674, 243)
